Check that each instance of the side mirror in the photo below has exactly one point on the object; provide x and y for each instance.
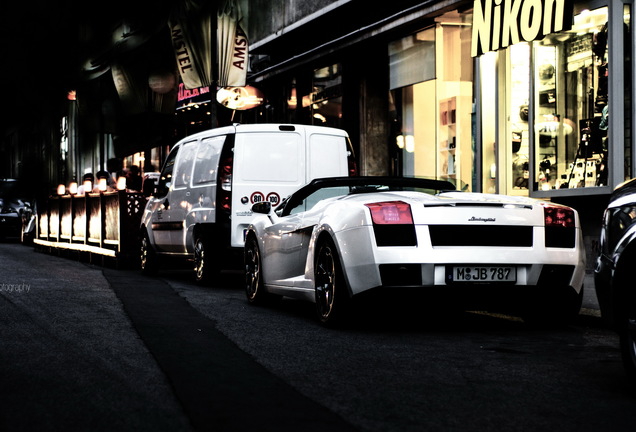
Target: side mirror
(263, 207)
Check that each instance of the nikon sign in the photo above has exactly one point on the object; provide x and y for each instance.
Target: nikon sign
(500, 23)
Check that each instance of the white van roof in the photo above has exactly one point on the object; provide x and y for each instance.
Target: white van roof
(269, 127)
(263, 127)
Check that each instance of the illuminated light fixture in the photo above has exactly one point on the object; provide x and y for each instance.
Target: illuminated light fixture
(320, 117)
(71, 95)
(61, 190)
(72, 188)
(239, 98)
(88, 186)
(409, 143)
(121, 183)
(102, 185)
(292, 102)
(399, 140)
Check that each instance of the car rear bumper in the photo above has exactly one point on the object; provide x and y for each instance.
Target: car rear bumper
(368, 266)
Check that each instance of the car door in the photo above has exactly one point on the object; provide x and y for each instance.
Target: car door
(159, 202)
(283, 242)
(180, 204)
(287, 242)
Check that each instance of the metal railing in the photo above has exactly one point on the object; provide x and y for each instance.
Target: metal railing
(104, 223)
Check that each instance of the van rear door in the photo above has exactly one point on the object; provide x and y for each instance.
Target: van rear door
(328, 154)
(269, 164)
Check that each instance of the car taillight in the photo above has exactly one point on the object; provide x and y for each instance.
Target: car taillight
(390, 213)
(353, 167)
(224, 193)
(393, 223)
(226, 174)
(558, 216)
(560, 227)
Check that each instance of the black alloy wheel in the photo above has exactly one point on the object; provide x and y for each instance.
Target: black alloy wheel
(331, 295)
(253, 281)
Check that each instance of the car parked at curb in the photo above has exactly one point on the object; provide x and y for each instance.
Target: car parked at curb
(613, 275)
(338, 238)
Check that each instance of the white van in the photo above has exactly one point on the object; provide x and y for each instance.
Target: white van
(209, 182)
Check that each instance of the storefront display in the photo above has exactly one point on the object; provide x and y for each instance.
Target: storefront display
(518, 129)
(549, 126)
(571, 105)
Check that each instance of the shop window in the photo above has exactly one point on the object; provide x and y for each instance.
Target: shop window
(571, 116)
(431, 102)
(488, 111)
(325, 100)
(518, 132)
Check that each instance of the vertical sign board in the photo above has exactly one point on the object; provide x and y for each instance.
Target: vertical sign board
(501, 23)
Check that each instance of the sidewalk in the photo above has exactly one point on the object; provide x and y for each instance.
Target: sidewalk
(590, 305)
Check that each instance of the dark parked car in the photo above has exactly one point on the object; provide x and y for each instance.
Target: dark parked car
(12, 209)
(615, 280)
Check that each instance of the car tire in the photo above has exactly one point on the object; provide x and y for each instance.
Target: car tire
(254, 289)
(206, 267)
(147, 256)
(332, 300)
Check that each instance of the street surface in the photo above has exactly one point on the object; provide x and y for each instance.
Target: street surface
(91, 348)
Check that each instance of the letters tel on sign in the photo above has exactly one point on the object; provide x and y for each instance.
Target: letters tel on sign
(501, 23)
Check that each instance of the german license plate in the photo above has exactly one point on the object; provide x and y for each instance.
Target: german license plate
(480, 274)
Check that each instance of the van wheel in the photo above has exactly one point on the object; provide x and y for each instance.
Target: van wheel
(147, 256)
(206, 268)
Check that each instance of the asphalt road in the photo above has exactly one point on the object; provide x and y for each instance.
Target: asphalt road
(84, 347)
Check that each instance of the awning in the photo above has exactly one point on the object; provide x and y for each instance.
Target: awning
(191, 29)
(232, 45)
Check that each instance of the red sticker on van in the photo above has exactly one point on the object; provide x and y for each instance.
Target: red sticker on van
(257, 197)
(273, 198)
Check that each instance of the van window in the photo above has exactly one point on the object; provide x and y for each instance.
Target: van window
(272, 156)
(184, 168)
(165, 180)
(207, 160)
(324, 156)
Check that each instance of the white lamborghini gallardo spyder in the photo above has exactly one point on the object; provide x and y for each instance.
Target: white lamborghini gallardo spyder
(337, 238)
